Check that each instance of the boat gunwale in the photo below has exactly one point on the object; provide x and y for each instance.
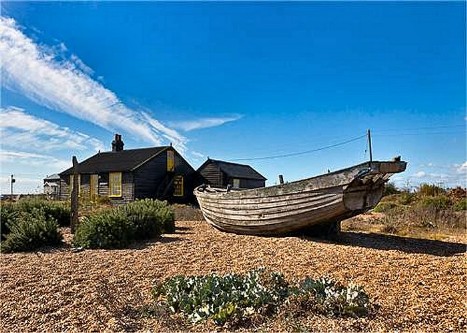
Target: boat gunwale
(220, 192)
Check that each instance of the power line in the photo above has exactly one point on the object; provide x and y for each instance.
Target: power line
(416, 128)
(299, 153)
(415, 134)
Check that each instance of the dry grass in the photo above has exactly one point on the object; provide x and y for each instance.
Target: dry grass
(420, 285)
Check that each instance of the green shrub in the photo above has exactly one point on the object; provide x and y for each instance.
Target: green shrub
(384, 207)
(8, 215)
(460, 205)
(439, 202)
(118, 227)
(234, 298)
(104, 230)
(151, 217)
(406, 198)
(60, 211)
(31, 230)
(430, 190)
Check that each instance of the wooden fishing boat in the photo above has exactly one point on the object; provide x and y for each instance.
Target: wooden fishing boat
(321, 201)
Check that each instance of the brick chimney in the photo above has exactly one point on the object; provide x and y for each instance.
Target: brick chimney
(117, 143)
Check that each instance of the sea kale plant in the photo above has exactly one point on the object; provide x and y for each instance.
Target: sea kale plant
(235, 298)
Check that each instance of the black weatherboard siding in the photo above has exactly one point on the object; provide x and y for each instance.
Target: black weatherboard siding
(145, 173)
(220, 174)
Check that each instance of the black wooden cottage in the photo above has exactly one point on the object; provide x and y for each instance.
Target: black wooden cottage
(220, 174)
(125, 175)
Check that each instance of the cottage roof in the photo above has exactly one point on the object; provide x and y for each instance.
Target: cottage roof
(52, 177)
(236, 170)
(115, 161)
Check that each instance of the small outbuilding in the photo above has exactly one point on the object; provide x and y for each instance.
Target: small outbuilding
(220, 174)
(125, 175)
(52, 186)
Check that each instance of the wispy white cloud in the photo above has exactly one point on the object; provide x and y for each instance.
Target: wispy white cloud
(32, 159)
(420, 174)
(67, 86)
(449, 175)
(19, 129)
(191, 125)
(462, 168)
(196, 154)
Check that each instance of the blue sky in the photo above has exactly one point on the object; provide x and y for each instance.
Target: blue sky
(233, 81)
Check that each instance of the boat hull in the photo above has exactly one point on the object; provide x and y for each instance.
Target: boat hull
(286, 208)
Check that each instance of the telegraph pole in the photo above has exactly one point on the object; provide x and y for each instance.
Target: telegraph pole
(369, 146)
(12, 180)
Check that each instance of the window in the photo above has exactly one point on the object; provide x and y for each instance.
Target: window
(236, 183)
(93, 187)
(72, 183)
(115, 184)
(178, 186)
(170, 161)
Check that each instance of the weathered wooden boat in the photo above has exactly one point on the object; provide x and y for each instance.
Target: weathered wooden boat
(321, 201)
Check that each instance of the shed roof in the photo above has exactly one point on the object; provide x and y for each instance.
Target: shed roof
(116, 161)
(236, 170)
(52, 177)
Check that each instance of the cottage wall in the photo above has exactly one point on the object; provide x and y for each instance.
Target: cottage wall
(102, 188)
(213, 175)
(152, 180)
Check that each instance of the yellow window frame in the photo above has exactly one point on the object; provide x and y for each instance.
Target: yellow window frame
(178, 186)
(93, 185)
(115, 184)
(170, 161)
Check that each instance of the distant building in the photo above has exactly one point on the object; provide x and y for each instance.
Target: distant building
(125, 175)
(220, 174)
(52, 186)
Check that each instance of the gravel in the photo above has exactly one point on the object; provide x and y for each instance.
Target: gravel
(420, 285)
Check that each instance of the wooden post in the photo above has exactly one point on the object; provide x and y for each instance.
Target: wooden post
(74, 197)
(369, 146)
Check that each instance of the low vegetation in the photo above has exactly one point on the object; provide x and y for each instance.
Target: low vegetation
(235, 299)
(428, 208)
(117, 227)
(28, 230)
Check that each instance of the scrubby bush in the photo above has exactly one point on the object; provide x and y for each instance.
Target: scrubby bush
(438, 203)
(8, 214)
(460, 205)
(235, 298)
(430, 190)
(31, 230)
(151, 217)
(383, 207)
(406, 198)
(119, 226)
(105, 230)
(60, 211)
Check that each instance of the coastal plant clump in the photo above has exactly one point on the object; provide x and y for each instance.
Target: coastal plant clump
(234, 299)
(120, 226)
(29, 230)
(60, 211)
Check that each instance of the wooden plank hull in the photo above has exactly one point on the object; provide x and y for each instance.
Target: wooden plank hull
(298, 205)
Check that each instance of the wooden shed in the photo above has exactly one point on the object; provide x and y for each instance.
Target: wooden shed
(125, 175)
(220, 174)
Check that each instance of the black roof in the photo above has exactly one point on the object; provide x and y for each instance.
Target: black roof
(236, 170)
(123, 160)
